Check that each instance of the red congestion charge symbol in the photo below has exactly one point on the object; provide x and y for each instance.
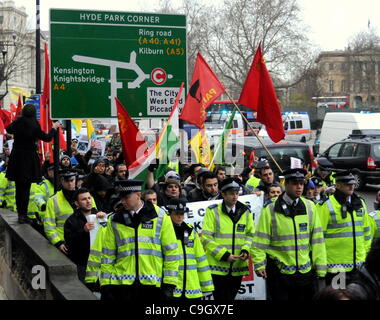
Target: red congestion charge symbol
(158, 76)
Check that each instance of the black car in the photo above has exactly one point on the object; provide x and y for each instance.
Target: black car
(360, 153)
(282, 152)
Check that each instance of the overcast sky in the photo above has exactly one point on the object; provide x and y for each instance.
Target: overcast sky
(331, 22)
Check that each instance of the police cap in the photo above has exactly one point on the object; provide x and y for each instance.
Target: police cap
(67, 174)
(177, 205)
(345, 177)
(317, 181)
(230, 183)
(126, 187)
(294, 174)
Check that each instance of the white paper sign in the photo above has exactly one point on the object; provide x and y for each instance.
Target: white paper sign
(252, 287)
(295, 163)
(97, 224)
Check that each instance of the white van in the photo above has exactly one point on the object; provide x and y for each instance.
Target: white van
(296, 126)
(339, 125)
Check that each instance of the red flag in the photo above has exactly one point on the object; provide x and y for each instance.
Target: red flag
(62, 140)
(2, 128)
(258, 94)
(6, 117)
(45, 121)
(19, 106)
(205, 89)
(132, 141)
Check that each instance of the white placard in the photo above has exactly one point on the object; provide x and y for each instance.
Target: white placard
(295, 163)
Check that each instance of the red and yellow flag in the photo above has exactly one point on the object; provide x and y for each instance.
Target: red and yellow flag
(205, 89)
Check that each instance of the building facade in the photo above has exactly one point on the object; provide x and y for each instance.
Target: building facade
(18, 58)
(352, 74)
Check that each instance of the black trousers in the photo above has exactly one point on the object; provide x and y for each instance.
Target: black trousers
(22, 197)
(293, 287)
(226, 287)
(130, 293)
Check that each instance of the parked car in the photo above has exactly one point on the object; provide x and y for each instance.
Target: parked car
(282, 152)
(359, 152)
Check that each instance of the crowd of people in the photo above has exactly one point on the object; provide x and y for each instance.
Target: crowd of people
(312, 229)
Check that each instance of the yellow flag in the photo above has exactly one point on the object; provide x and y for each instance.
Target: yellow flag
(201, 148)
(77, 125)
(90, 130)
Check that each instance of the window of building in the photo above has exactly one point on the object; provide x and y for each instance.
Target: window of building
(331, 66)
(1, 19)
(331, 85)
(345, 67)
(358, 86)
(344, 86)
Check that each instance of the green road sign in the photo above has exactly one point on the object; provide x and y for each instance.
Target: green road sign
(99, 55)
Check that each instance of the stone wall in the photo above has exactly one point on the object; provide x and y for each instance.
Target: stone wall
(31, 268)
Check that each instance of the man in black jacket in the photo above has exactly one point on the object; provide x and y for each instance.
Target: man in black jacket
(77, 231)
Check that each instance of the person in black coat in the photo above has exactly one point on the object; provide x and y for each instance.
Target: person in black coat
(24, 165)
(77, 231)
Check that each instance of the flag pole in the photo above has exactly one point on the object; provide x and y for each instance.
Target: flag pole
(258, 138)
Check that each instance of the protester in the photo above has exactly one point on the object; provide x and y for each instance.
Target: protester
(220, 173)
(24, 165)
(190, 182)
(209, 188)
(77, 231)
(150, 195)
(274, 190)
(121, 171)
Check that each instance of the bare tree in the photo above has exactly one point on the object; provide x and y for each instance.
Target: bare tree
(14, 56)
(241, 25)
(228, 37)
(363, 56)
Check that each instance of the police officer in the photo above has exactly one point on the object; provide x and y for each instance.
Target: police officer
(227, 237)
(139, 251)
(346, 227)
(288, 246)
(194, 272)
(58, 208)
(375, 218)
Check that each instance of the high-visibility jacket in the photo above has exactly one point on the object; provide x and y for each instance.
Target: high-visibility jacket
(147, 252)
(9, 195)
(375, 223)
(294, 242)
(174, 165)
(252, 183)
(33, 210)
(221, 234)
(3, 186)
(347, 239)
(194, 272)
(94, 258)
(44, 192)
(58, 209)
